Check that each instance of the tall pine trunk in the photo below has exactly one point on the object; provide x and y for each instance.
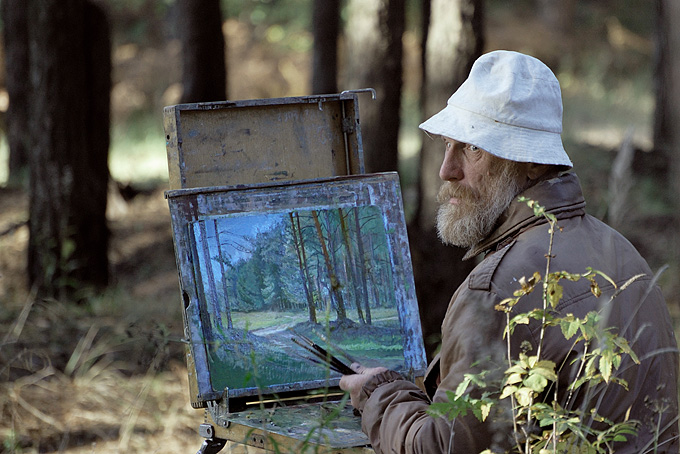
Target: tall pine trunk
(453, 40)
(667, 89)
(69, 102)
(325, 29)
(204, 74)
(667, 112)
(374, 41)
(15, 19)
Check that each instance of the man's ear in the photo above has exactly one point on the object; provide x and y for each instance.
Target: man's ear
(536, 171)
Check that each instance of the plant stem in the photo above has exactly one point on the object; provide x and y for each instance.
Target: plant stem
(545, 286)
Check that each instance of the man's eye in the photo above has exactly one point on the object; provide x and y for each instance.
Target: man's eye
(473, 147)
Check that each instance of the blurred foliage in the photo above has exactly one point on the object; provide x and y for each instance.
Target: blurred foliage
(138, 21)
(295, 14)
(283, 23)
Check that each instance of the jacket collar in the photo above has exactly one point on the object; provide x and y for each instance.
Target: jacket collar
(561, 196)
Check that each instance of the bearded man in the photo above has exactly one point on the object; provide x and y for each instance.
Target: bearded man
(502, 135)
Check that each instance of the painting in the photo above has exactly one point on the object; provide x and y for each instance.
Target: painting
(283, 273)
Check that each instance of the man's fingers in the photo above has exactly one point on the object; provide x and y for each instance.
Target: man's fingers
(363, 370)
(354, 382)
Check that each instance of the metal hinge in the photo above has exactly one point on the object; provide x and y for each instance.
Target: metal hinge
(348, 125)
(218, 412)
(219, 409)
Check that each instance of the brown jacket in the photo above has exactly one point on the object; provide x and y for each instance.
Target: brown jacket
(394, 410)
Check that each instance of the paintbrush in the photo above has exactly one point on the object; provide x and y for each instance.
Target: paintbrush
(322, 354)
(332, 346)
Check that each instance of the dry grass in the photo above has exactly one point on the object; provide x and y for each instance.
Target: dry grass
(108, 377)
(98, 410)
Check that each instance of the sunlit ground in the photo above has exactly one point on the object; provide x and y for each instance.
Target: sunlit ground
(139, 161)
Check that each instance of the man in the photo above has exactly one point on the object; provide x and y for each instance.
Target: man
(501, 131)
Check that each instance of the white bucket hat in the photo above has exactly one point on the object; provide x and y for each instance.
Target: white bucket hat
(510, 106)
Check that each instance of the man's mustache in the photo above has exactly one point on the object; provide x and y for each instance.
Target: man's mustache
(450, 190)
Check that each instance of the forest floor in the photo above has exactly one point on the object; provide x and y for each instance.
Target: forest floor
(109, 377)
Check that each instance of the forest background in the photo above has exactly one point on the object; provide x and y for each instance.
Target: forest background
(109, 375)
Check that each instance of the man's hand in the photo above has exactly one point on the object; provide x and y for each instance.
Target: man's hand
(354, 383)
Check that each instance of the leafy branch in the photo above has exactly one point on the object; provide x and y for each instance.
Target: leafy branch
(541, 424)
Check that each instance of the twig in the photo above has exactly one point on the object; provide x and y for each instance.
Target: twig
(13, 334)
(13, 227)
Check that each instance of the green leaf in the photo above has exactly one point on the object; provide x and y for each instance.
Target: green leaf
(569, 326)
(449, 410)
(536, 382)
(460, 390)
(514, 378)
(554, 294)
(606, 367)
(482, 408)
(600, 273)
(577, 383)
(546, 369)
(486, 410)
(68, 246)
(508, 391)
(518, 368)
(521, 319)
(524, 396)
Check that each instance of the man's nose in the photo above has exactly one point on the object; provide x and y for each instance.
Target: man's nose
(450, 169)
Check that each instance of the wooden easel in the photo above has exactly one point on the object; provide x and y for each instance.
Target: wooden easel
(214, 148)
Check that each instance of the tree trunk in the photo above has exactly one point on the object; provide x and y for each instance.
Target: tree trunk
(215, 313)
(14, 13)
(325, 29)
(90, 211)
(204, 74)
(374, 40)
(667, 89)
(335, 293)
(351, 267)
(453, 41)
(361, 265)
(667, 111)
(298, 242)
(69, 99)
(225, 280)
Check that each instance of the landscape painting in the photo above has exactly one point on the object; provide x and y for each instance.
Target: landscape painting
(278, 285)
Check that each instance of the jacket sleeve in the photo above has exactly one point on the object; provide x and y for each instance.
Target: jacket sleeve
(394, 418)
(395, 414)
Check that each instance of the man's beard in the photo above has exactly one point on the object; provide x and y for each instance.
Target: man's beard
(474, 217)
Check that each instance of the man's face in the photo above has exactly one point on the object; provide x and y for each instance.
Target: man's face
(477, 188)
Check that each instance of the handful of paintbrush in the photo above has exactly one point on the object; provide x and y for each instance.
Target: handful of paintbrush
(322, 356)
